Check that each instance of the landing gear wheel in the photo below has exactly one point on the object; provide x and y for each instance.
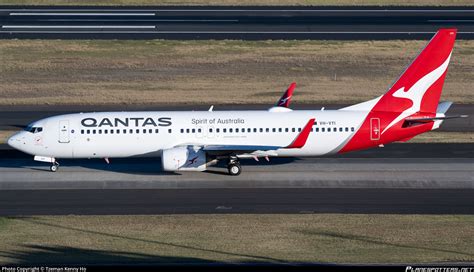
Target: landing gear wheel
(54, 167)
(234, 168)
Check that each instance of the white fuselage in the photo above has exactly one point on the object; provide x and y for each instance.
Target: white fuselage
(128, 134)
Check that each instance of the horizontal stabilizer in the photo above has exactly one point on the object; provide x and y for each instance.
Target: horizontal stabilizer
(443, 107)
(432, 119)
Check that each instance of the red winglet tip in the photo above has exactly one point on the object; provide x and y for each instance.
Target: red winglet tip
(300, 140)
(286, 98)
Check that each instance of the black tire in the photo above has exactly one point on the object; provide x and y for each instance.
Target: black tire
(53, 168)
(234, 169)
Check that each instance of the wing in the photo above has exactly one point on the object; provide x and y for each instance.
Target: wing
(298, 142)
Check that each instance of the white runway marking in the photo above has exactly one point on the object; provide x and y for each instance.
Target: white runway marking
(223, 32)
(77, 14)
(75, 27)
(144, 20)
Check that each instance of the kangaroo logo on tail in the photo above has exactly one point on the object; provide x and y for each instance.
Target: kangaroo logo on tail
(417, 91)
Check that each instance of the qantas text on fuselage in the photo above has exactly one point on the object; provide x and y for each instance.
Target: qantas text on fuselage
(194, 140)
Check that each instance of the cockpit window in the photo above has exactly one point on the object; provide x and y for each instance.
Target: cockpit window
(34, 129)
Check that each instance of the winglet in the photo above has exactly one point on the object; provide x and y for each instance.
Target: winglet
(286, 98)
(300, 140)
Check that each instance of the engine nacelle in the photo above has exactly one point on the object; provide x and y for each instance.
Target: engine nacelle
(186, 158)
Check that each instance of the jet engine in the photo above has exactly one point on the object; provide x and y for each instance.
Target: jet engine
(186, 158)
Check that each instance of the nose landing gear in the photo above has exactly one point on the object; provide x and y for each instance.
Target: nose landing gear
(55, 165)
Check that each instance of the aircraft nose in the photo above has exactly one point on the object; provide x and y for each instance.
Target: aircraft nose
(14, 140)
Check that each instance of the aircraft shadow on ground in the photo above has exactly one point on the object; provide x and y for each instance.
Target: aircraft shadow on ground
(146, 166)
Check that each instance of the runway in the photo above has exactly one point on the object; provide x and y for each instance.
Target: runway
(248, 23)
(224, 201)
(399, 178)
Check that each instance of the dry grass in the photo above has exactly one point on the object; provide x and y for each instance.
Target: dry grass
(444, 137)
(245, 2)
(323, 238)
(204, 72)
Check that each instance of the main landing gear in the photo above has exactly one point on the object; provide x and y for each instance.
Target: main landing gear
(234, 167)
(54, 167)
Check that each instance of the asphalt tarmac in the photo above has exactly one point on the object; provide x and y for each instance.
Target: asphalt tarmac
(248, 23)
(399, 178)
(219, 201)
(311, 185)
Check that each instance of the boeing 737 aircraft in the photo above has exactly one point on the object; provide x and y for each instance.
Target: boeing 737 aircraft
(194, 140)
